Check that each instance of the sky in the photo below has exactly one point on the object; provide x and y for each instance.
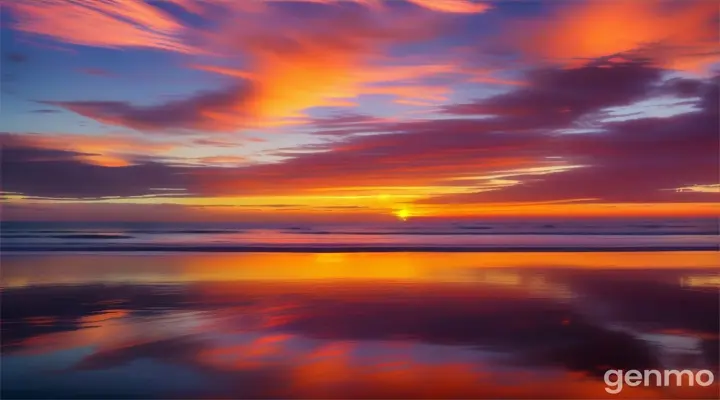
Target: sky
(358, 110)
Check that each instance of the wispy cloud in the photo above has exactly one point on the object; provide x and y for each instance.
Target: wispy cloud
(325, 60)
(126, 23)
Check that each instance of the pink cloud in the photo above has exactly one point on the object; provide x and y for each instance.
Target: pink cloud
(681, 36)
(127, 23)
(453, 6)
(326, 59)
(102, 150)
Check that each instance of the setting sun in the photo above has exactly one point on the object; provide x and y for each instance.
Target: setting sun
(402, 214)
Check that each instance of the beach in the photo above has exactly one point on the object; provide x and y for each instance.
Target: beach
(336, 324)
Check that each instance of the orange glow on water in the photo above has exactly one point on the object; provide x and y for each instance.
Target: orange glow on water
(304, 267)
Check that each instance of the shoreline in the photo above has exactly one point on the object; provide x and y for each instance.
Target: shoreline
(353, 249)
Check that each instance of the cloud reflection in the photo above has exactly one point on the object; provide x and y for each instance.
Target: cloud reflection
(495, 333)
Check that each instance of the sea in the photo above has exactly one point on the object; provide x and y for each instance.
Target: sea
(575, 235)
(412, 309)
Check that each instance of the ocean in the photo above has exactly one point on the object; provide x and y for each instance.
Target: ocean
(574, 235)
(490, 309)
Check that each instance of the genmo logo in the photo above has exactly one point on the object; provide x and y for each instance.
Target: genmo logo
(616, 378)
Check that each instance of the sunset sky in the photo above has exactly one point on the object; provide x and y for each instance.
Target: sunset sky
(358, 110)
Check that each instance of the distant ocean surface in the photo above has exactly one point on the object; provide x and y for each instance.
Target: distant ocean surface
(567, 235)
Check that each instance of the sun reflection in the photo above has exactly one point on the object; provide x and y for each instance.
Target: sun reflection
(103, 316)
(700, 281)
(74, 269)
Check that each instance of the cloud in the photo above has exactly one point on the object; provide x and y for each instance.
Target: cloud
(347, 123)
(557, 97)
(113, 24)
(142, 24)
(104, 150)
(634, 160)
(16, 57)
(220, 110)
(446, 6)
(504, 148)
(637, 160)
(453, 6)
(678, 35)
(96, 72)
(31, 169)
(321, 59)
(418, 155)
(44, 111)
(508, 147)
(45, 167)
(326, 58)
(222, 160)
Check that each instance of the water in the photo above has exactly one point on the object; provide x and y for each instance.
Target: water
(699, 234)
(138, 311)
(353, 325)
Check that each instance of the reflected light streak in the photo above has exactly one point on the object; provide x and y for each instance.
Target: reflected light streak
(701, 281)
(415, 267)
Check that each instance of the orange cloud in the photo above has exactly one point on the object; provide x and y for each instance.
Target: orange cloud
(446, 6)
(138, 23)
(222, 160)
(680, 36)
(107, 150)
(453, 6)
(338, 85)
(324, 61)
(318, 61)
(127, 23)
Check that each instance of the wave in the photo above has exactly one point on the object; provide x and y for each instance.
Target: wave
(309, 231)
(520, 233)
(274, 248)
(67, 236)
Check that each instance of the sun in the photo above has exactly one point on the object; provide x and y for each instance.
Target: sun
(402, 214)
